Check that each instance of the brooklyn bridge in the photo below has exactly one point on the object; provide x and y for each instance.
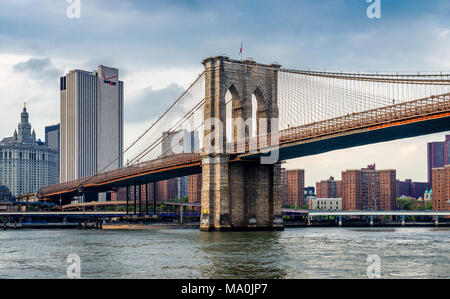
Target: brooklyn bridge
(239, 120)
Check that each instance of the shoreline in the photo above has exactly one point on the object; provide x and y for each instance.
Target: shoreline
(156, 226)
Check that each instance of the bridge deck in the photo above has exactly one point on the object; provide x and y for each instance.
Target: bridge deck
(423, 116)
(155, 170)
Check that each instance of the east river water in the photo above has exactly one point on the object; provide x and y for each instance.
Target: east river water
(188, 253)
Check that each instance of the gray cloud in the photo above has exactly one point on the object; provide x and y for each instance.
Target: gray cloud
(39, 68)
(147, 104)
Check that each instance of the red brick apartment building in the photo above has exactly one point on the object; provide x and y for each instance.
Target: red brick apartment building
(293, 187)
(195, 188)
(329, 189)
(441, 188)
(369, 189)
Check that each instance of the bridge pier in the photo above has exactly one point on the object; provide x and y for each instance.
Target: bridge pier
(240, 196)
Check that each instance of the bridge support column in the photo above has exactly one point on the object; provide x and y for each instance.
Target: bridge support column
(436, 222)
(240, 195)
(403, 220)
(181, 214)
(371, 220)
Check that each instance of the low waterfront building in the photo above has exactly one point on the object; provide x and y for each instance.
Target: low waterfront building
(325, 204)
(26, 164)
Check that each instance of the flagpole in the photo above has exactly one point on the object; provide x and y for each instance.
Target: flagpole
(240, 51)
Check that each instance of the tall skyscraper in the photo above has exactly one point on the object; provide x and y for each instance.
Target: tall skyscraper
(52, 137)
(369, 189)
(447, 150)
(26, 164)
(438, 155)
(91, 122)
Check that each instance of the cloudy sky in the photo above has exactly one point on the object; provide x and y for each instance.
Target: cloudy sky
(158, 46)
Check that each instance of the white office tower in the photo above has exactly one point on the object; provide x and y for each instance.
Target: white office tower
(91, 123)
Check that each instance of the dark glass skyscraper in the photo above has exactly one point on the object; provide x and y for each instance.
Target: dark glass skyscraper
(52, 137)
(438, 155)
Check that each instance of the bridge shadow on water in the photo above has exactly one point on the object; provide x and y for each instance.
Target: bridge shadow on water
(244, 255)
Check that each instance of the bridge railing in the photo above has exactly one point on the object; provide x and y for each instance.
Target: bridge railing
(402, 111)
(162, 163)
(379, 116)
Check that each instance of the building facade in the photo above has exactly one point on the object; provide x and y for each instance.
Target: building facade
(284, 186)
(438, 155)
(329, 189)
(195, 188)
(296, 188)
(326, 204)
(369, 189)
(447, 150)
(166, 190)
(91, 123)
(441, 188)
(26, 164)
(5, 194)
(310, 191)
(408, 188)
(52, 140)
(182, 187)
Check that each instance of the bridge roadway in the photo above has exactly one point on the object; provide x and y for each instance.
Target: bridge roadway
(409, 119)
(96, 204)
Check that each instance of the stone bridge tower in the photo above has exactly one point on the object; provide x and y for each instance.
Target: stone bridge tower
(239, 194)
